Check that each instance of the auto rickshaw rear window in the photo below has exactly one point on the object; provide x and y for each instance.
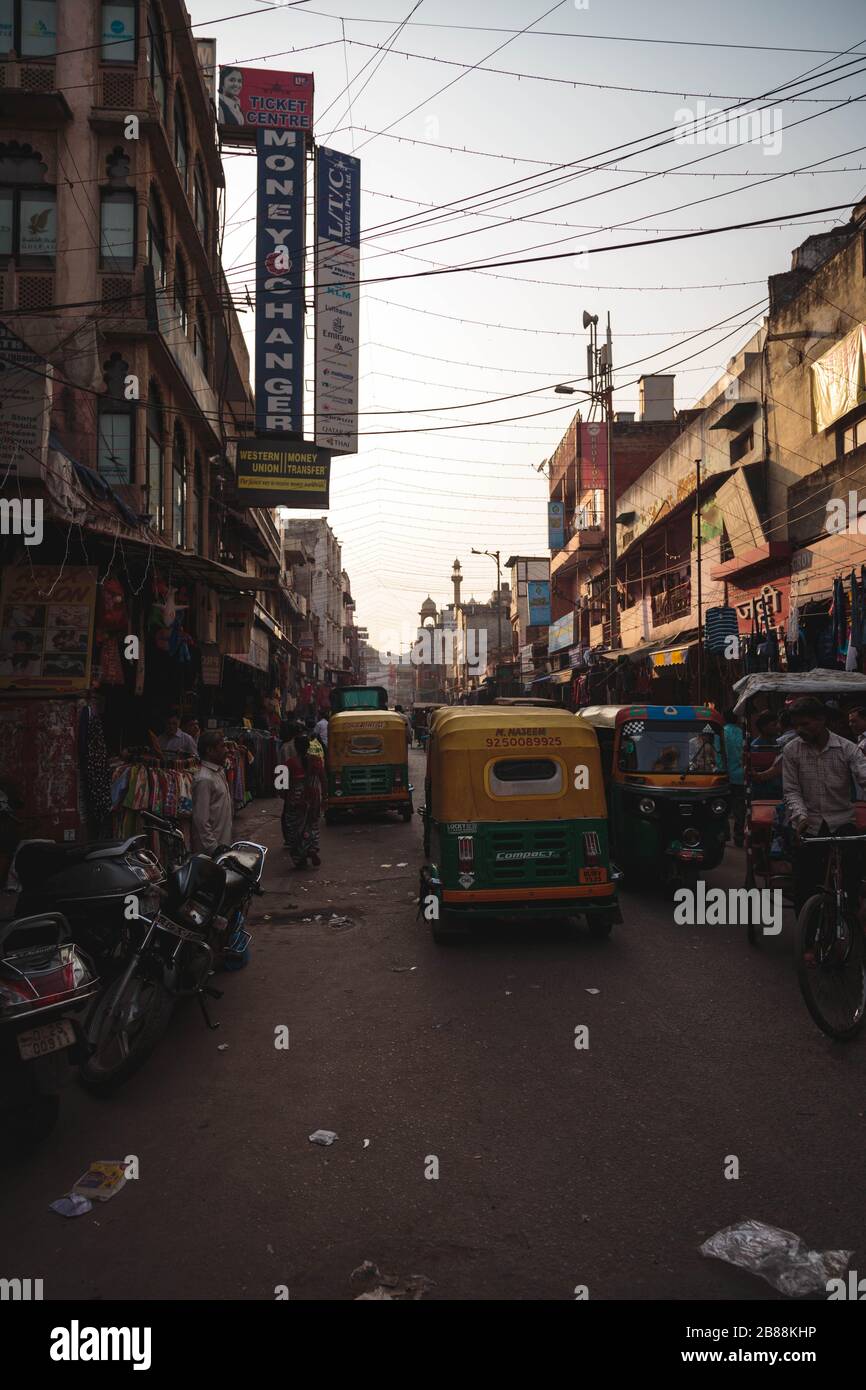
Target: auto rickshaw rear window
(366, 743)
(522, 776)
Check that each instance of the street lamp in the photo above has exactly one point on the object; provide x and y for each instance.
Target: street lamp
(494, 555)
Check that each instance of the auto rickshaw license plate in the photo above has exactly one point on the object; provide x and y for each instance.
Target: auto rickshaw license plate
(592, 876)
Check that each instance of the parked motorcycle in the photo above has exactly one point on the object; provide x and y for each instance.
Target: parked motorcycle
(46, 987)
(155, 935)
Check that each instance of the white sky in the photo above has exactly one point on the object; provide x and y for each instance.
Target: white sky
(410, 502)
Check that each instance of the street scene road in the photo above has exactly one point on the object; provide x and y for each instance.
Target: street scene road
(557, 1167)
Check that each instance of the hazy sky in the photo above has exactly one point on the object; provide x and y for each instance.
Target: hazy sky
(417, 497)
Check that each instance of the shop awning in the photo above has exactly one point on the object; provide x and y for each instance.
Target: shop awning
(561, 677)
(195, 568)
(671, 656)
(653, 649)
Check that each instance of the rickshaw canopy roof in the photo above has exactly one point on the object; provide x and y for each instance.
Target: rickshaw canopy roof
(605, 716)
(791, 683)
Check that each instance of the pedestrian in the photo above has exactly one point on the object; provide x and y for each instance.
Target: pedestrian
(302, 800)
(817, 771)
(398, 709)
(173, 742)
(857, 724)
(321, 729)
(734, 756)
(211, 798)
(192, 727)
(769, 778)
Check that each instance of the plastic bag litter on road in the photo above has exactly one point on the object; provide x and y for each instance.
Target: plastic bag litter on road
(780, 1257)
(322, 1136)
(73, 1204)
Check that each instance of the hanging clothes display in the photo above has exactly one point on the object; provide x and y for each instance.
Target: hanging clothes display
(147, 783)
(263, 750)
(721, 623)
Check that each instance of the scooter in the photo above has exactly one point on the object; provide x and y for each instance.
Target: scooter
(46, 986)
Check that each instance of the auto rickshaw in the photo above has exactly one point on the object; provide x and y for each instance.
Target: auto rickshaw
(367, 764)
(344, 697)
(515, 820)
(667, 785)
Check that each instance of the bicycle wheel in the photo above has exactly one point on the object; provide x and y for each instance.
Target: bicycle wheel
(831, 968)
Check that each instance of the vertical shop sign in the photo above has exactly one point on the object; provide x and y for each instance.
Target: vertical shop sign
(279, 357)
(338, 234)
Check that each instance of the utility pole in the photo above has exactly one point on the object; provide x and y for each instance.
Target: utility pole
(495, 555)
(700, 591)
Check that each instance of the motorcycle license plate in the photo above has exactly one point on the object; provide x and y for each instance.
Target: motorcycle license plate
(50, 1037)
(592, 876)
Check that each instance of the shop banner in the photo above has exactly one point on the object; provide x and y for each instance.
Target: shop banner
(338, 256)
(25, 392)
(526, 663)
(838, 380)
(280, 473)
(538, 596)
(236, 625)
(555, 525)
(211, 664)
(279, 356)
(561, 633)
(46, 638)
(250, 98)
(593, 455)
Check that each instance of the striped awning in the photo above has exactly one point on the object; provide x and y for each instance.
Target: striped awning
(671, 656)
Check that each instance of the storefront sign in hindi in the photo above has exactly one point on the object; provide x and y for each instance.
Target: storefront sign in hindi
(281, 473)
(46, 628)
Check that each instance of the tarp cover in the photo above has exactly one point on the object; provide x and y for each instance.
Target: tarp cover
(818, 682)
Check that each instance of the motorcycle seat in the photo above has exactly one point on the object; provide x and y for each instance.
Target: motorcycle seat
(246, 859)
(37, 860)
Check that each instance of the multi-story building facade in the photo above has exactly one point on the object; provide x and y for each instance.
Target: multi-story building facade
(326, 592)
(765, 464)
(135, 388)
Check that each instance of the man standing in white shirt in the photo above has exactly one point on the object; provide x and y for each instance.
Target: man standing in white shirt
(818, 769)
(321, 731)
(211, 798)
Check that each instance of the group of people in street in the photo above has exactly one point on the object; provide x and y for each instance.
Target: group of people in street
(818, 771)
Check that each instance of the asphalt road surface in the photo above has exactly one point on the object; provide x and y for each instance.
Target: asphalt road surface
(557, 1167)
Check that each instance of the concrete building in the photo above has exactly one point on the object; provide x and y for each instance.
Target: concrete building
(326, 591)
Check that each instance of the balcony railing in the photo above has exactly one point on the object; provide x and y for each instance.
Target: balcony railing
(675, 604)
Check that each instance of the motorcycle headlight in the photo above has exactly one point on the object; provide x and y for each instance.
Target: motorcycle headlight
(647, 805)
(719, 808)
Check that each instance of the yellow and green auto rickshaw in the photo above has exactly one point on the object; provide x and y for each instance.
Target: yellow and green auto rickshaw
(667, 788)
(367, 764)
(515, 820)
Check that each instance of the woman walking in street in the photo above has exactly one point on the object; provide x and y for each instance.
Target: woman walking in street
(302, 802)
